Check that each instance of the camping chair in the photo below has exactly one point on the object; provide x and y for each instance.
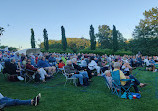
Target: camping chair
(29, 75)
(60, 70)
(7, 71)
(117, 88)
(106, 82)
(156, 66)
(69, 78)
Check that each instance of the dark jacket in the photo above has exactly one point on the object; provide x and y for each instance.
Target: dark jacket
(70, 69)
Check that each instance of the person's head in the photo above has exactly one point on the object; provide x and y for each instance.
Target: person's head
(61, 61)
(117, 65)
(12, 60)
(69, 62)
(17, 54)
(43, 58)
(92, 58)
(108, 73)
(53, 55)
(74, 60)
(29, 61)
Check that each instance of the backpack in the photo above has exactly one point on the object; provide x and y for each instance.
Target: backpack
(37, 77)
(13, 78)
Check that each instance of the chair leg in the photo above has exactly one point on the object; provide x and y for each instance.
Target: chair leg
(74, 82)
(65, 82)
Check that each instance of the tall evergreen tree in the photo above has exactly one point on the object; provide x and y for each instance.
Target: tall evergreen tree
(45, 35)
(115, 41)
(92, 38)
(64, 41)
(1, 31)
(32, 39)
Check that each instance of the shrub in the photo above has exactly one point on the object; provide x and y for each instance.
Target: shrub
(122, 52)
(57, 51)
(97, 51)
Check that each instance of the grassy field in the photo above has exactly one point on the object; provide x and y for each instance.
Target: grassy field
(96, 97)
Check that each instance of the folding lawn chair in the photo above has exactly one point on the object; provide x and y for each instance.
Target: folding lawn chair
(117, 88)
(156, 66)
(69, 77)
(29, 75)
(107, 83)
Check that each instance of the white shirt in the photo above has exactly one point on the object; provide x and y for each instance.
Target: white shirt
(92, 64)
(147, 62)
(125, 68)
(1, 96)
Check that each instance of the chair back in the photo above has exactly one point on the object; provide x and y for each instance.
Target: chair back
(65, 74)
(116, 77)
(156, 66)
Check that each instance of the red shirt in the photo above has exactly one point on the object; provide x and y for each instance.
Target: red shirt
(29, 66)
(61, 65)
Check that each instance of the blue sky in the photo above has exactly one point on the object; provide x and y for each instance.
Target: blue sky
(75, 15)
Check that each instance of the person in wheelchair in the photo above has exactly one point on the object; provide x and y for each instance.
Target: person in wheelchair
(41, 71)
(125, 83)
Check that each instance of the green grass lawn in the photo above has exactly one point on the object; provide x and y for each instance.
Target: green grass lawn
(96, 97)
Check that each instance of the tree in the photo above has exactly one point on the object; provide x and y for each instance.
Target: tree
(64, 41)
(45, 35)
(115, 41)
(146, 33)
(104, 36)
(32, 39)
(92, 38)
(1, 31)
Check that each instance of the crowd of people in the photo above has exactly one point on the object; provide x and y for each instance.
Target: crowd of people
(78, 65)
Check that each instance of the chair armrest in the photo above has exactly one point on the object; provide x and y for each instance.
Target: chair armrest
(69, 73)
(127, 80)
(30, 70)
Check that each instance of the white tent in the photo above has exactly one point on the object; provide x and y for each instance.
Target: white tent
(29, 51)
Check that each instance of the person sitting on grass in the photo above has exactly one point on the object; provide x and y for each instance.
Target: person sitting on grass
(44, 64)
(5, 101)
(124, 83)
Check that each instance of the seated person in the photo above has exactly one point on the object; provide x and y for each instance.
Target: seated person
(82, 68)
(70, 69)
(125, 83)
(52, 60)
(104, 66)
(41, 71)
(83, 62)
(5, 101)
(93, 65)
(108, 77)
(149, 63)
(126, 69)
(11, 69)
(44, 64)
(61, 64)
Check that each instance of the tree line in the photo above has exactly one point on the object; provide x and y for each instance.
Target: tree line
(144, 37)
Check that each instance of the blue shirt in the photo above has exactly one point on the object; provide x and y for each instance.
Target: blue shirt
(42, 63)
